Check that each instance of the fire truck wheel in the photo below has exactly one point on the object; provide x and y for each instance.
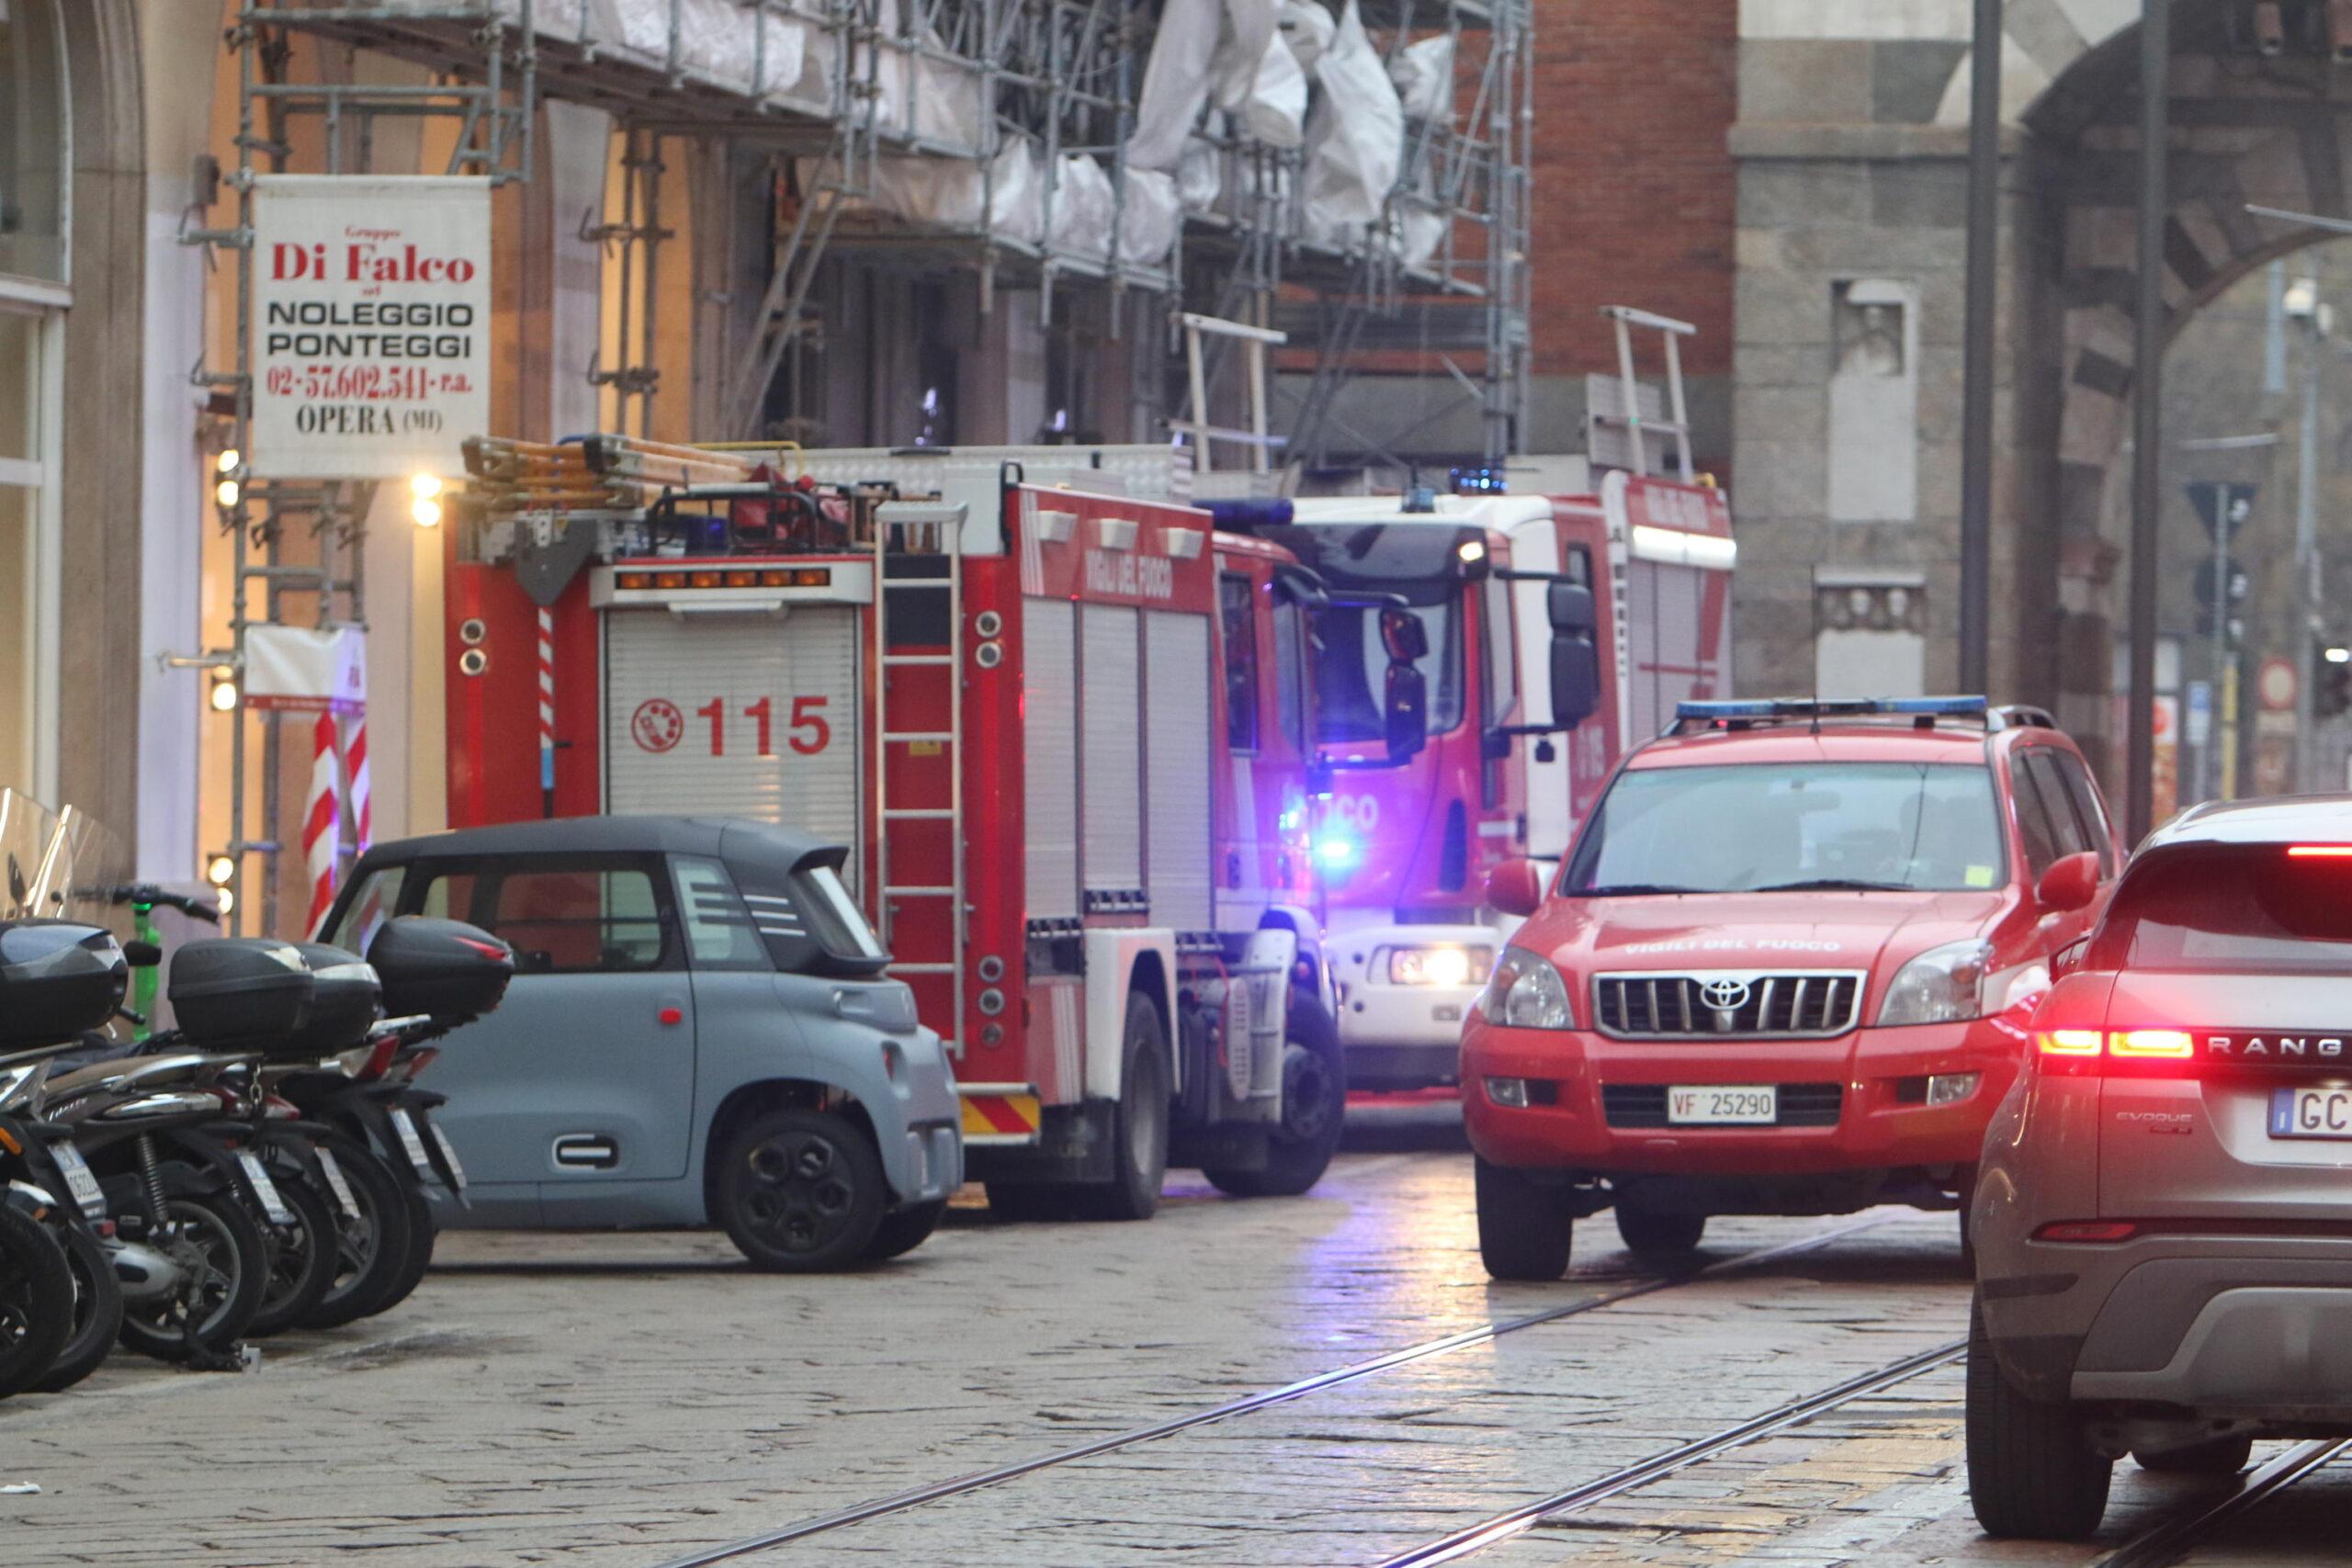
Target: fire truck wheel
(1315, 1103)
(800, 1191)
(1139, 1126)
(1524, 1230)
(904, 1231)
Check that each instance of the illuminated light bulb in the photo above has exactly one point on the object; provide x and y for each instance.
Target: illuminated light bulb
(224, 696)
(225, 492)
(425, 511)
(227, 462)
(424, 486)
(220, 870)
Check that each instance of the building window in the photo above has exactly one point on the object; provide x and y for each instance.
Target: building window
(32, 142)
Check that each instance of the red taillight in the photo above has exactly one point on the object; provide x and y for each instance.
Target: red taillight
(2069, 1048)
(2087, 1231)
(2320, 852)
(2069, 1042)
(2151, 1043)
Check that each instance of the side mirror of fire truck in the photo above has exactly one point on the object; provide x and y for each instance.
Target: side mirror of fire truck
(1576, 661)
(1405, 701)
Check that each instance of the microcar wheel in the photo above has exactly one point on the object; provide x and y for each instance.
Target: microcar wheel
(904, 1231)
(800, 1191)
(1524, 1229)
(2031, 1471)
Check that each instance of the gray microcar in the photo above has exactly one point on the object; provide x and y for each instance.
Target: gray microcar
(700, 1032)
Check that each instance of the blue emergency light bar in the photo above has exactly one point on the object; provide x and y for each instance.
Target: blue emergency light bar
(1834, 708)
(1921, 713)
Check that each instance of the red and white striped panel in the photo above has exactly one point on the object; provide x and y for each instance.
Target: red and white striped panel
(322, 819)
(547, 705)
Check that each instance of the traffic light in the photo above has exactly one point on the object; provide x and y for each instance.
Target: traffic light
(2331, 679)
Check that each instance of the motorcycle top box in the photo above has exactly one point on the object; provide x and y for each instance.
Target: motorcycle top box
(241, 991)
(58, 978)
(443, 969)
(345, 1000)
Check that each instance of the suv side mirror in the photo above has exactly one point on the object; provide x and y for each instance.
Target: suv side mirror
(1515, 887)
(2071, 883)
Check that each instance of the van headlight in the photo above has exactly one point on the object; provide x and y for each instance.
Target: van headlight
(1943, 985)
(1526, 992)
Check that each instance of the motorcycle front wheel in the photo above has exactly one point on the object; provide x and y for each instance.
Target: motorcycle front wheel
(97, 1312)
(36, 1299)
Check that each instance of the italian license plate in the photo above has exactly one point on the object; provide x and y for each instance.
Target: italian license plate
(406, 1125)
(2315, 1112)
(332, 1170)
(79, 1179)
(1722, 1105)
(271, 1203)
(450, 1153)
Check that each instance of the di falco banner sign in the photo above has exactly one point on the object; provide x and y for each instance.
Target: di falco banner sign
(371, 324)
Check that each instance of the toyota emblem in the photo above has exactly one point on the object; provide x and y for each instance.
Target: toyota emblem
(1723, 995)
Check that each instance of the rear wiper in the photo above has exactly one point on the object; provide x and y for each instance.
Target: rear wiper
(1629, 890)
(1835, 884)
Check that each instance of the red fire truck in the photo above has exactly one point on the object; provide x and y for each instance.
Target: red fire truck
(1510, 761)
(1066, 726)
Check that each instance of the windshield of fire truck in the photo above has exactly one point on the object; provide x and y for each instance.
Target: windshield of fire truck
(1416, 563)
(1799, 827)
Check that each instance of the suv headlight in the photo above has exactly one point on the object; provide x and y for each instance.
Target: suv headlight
(1943, 985)
(1526, 992)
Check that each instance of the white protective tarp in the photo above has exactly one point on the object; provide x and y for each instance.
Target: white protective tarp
(1423, 74)
(1225, 53)
(1355, 141)
(1307, 28)
(951, 193)
(1149, 217)
(720, 42)
(1084, 209)
(1199, 173)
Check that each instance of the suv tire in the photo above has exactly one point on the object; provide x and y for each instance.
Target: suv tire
(2214, 1456)
(1655, 1237)
(1525, 1231)
(2031, 1471)
(800, 1191)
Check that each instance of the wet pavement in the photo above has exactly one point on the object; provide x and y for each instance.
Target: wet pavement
(623, 1400)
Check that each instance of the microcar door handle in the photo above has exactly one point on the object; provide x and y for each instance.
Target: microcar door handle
(587, 1151)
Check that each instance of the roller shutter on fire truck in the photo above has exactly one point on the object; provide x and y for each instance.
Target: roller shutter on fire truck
(1177, 745)
(1112, 780)
(747, 715)
(1050, 746)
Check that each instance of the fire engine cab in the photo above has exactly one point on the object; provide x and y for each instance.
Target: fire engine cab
(1064, 727)
(1551, 632)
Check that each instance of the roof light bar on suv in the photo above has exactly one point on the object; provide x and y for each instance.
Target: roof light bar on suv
(1921, 712)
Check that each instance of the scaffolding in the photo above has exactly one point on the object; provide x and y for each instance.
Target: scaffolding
(982, 137)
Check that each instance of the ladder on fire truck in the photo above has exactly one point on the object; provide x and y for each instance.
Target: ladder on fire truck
(1623, 415)
(908, 534)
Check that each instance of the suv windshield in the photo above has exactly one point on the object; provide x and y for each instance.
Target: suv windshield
(2230, 906)
(1791, 826)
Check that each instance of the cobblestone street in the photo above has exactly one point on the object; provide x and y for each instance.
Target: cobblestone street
(623, 1400)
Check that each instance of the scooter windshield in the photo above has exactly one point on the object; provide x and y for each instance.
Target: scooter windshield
(28, 830)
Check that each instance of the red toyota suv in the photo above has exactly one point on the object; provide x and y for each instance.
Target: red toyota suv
(1787, 968)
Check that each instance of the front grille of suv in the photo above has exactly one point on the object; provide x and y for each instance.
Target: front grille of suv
(1725, 1003)
(1643, 1104)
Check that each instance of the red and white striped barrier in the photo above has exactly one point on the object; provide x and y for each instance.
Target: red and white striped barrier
(321, 817)
(355, 767)
(547, 712)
